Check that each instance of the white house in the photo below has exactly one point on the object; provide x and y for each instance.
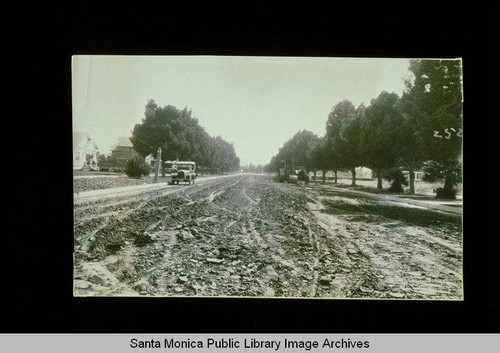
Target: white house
(85, 151)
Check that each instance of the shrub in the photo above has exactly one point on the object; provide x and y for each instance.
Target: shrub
(450, 171)
(446, 193)
(303, 176)
(397, 179)
(136, 167)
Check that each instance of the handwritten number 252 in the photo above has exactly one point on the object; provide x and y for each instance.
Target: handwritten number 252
(448, 133)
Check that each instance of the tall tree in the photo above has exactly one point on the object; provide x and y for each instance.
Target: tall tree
(408, 145)
(179, 135)
(318, 158)
(343, 130)
(324, 158)
(297, 149)
(379, 131)
(436, 95)
(223, 156)
(165, 128)
(303, 145)
(332, 159)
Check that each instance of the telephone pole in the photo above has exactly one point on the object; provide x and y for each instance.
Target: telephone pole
(158, 164)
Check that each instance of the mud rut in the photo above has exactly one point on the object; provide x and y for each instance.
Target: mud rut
(249, 236)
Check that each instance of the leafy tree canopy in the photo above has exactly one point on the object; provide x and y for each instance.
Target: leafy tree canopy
(435, 97)
(179, 135)
(343, 131)
(380, 129)
(298, 149)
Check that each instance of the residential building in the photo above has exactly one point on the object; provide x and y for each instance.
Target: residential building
(123, 150)
(85, 151)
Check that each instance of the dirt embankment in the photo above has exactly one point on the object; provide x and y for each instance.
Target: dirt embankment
(249, 236)
(98, 182)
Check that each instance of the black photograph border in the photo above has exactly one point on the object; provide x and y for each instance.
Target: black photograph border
(38, 41)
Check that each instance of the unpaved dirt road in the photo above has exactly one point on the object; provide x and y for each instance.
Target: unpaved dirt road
(248, 236)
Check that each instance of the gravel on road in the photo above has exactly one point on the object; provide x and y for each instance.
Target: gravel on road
(248, 236)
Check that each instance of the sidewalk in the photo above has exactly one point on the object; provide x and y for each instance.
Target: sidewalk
(98, 176)
(134, 189)
(453, 207)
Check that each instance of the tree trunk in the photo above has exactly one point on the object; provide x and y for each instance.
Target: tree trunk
(447, 191)
(379, 178)
(353, 172)
(335, 177)
(324, 176)
(412, 180)
(448, 185)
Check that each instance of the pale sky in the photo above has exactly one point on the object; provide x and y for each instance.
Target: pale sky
(257, 103)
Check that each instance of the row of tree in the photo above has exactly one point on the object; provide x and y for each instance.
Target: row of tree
(420, 130)
(179, 135)
(250, 168)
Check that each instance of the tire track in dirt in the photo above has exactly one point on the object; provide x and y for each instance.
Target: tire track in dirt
(293, 261)
(393, 259)
(155, 274)
(141, 201)
(314, 241)
(161, 279)
(86, 239)
(249, 236)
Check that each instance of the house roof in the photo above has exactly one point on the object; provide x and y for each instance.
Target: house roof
(82, 140)
(124, 142)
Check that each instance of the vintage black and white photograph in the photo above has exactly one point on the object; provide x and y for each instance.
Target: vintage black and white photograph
(267, 177)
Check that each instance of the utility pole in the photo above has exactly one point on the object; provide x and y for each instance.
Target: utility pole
(158, 164)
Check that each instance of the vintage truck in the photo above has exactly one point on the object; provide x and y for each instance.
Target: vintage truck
(287, 172)
(181, 171)
(290, 173)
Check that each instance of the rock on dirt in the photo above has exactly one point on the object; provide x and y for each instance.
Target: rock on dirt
(247, 236)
